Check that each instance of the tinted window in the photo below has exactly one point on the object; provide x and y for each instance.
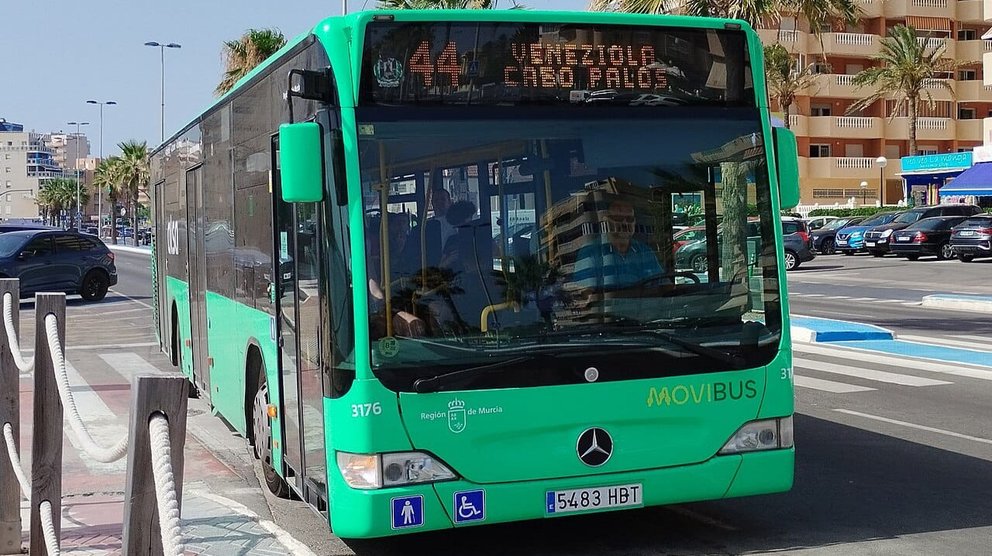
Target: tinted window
(980, 222)
(930, 224)
(880, 219)
(10, 244)
(791, 227)
(39, 246)
(69, 244)
(909, 217)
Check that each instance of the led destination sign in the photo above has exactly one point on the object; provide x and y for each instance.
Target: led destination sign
(502, 63)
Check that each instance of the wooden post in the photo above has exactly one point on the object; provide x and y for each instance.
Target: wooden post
(10, 392)
(46, 453)
(159, 393)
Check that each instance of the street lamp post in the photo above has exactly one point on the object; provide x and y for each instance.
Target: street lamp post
(881, 161)
(864, 192)
(162, 48)
(76, 164)
(99, 191)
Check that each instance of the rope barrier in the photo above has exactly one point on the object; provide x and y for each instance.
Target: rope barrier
(24, 365)
(48, 529)
(165, 486)
(97, 452)
(15, 461)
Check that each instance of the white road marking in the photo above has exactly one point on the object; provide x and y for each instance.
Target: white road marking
(984, 347)
(860, 355)
(869, 374)
(129, 298)
(129, 364)
(294, 546)
(100, 421)
(828, 385)
(864, 299)
(914, 426)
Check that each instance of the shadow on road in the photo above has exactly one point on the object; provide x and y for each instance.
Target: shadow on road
(851, 486)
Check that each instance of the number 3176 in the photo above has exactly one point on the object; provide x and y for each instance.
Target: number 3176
(366, 409)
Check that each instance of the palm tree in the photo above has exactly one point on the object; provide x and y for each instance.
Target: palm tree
(243, 55)
(906, 67)
(109, 176)
(440, 4)
(134, 173)
(59, 195)
(785, 78)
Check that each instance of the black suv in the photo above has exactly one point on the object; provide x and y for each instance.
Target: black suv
(58, 261)
(877, 238)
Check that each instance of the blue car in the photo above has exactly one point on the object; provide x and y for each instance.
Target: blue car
(851, 239)
(58, 261)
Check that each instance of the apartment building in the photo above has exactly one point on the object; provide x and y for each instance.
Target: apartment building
(26, 164)
(838, 152)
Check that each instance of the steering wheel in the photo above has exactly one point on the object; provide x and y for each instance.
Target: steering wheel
(687, 274)
(667, 279)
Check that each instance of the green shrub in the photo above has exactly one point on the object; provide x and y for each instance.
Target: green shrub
(857, 211)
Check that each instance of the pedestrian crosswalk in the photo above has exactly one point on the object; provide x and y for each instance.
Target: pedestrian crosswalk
(844, 370)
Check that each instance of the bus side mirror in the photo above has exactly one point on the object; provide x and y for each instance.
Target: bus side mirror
(301, 162)
(787, 163)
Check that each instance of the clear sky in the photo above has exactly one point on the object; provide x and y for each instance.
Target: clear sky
(57, 55)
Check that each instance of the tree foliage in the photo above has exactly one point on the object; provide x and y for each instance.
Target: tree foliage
(785, 78)
(906, 67)
(59, 195)
(244, 54)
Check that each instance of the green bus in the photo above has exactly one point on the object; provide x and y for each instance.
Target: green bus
(423, 262)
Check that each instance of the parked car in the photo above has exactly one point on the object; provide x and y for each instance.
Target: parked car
(877, 239)
(972, 238)
(824, 238)
(818, 222)
(929, 236)
(58, 261)
(687, 235)
(692, 255)
(797, 242)
(851, 239)
(17, 227)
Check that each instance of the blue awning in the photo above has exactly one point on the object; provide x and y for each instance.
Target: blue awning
(976, 180)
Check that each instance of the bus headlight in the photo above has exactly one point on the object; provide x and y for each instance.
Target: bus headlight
(366, 471)
(768, 434)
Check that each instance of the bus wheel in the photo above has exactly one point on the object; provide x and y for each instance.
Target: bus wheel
(262, 436)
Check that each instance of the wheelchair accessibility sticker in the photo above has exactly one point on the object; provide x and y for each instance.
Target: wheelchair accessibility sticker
(470, 505)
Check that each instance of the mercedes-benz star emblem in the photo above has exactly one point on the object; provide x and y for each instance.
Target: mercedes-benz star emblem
(595, 446)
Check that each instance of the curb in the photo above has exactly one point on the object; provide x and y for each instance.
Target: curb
(955, 302)
(811, 330)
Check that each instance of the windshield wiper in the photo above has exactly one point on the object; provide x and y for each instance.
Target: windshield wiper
(434, 383)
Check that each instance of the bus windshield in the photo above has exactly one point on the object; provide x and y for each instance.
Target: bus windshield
(515, 240)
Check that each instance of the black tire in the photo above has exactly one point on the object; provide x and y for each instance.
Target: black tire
(699, 263)
(828, 247)
(94, 285)
(791, 260)
(261, 438)
(913, 257)
(966, 258)
(944, 252)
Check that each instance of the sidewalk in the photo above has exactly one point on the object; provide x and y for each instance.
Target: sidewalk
(143, 249)
(957, 302)
(224, 507)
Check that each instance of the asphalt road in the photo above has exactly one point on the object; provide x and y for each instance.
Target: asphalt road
(894, 455)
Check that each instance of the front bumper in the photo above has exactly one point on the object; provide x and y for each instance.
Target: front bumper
(369, 513)
(850, 244)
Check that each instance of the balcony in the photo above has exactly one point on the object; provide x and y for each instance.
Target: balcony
(933, 129)
(799, 125)
(971, 11)
(973, 91)
(937, 90)
(898, 9)
(987, 63)
(836, 86)
(851, 44)
(843, 167)
(973, 51)
(970, 130)
(870, 8)
(931, 44)
(987, 130)
(846, 127)
(793, 41)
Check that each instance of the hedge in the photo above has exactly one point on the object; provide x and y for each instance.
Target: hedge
(858, 211)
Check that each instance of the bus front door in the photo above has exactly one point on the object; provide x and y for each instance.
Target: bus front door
(296, 256)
